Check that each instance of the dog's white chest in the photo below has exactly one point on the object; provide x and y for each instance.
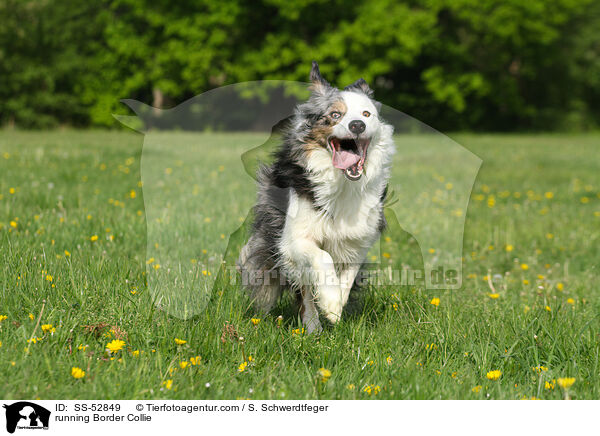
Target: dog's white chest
(345, 227)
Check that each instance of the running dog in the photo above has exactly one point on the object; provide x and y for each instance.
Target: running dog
(320, 204)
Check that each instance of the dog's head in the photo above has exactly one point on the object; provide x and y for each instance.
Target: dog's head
(344, 122)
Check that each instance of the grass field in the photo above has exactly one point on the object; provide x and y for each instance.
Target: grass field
(73, 238)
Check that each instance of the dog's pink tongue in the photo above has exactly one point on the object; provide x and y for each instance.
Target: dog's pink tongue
(344, 159)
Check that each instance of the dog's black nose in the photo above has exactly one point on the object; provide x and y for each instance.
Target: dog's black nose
(357, 126)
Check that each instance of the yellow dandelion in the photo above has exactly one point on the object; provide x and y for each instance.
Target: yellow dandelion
(255, 321)
(550, 385)
(168, 384)
(524, 266)
(242, 367)
(540, 368)
(115, 345)
(195, 360)
(351, 386)
(324, 374)
(494, 375)
(435, 301)
(31, 316)
(3, 317)
(570, 301)
(372, 389)
(525, 282)
(67, 253)
(184, 364)
(509, 248)
(94, 238)
(180, 341)
(386, 255)
(13, 224)
(549, 195)
(389, 360)
(548, 309)
(135, 353)
(565, 382)
(476, 389)
(493, 296)
(77, 372)
(47, 328)
(560, 287)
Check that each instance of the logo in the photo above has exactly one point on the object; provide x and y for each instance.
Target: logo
(26, 415)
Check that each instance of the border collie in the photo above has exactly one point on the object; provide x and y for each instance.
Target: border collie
(320, 204)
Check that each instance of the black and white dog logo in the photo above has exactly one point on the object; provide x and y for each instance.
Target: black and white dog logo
(26, 415)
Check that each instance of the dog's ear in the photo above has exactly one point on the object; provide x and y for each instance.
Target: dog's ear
(318, 83)
(361, 86)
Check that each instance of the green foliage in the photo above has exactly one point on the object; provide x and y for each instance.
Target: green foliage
(466, 64)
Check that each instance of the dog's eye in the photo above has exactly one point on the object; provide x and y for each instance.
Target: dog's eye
(366, 114)
(335, 115)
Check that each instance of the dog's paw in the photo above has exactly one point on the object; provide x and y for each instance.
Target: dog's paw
(330, 301)
(332, 310)
(313, 326)
(334, 317)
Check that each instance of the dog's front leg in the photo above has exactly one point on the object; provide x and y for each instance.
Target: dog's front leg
(314, 268)
(308, 311)
(347, 277)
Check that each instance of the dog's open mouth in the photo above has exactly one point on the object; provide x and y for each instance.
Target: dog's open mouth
(349, 155)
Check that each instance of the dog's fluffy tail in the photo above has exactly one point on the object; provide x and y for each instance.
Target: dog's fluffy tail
(261, 280)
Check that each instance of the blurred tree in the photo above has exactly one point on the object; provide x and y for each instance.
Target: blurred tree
(44, 46)
(463, 64)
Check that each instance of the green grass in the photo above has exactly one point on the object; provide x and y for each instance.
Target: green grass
(69, 186)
